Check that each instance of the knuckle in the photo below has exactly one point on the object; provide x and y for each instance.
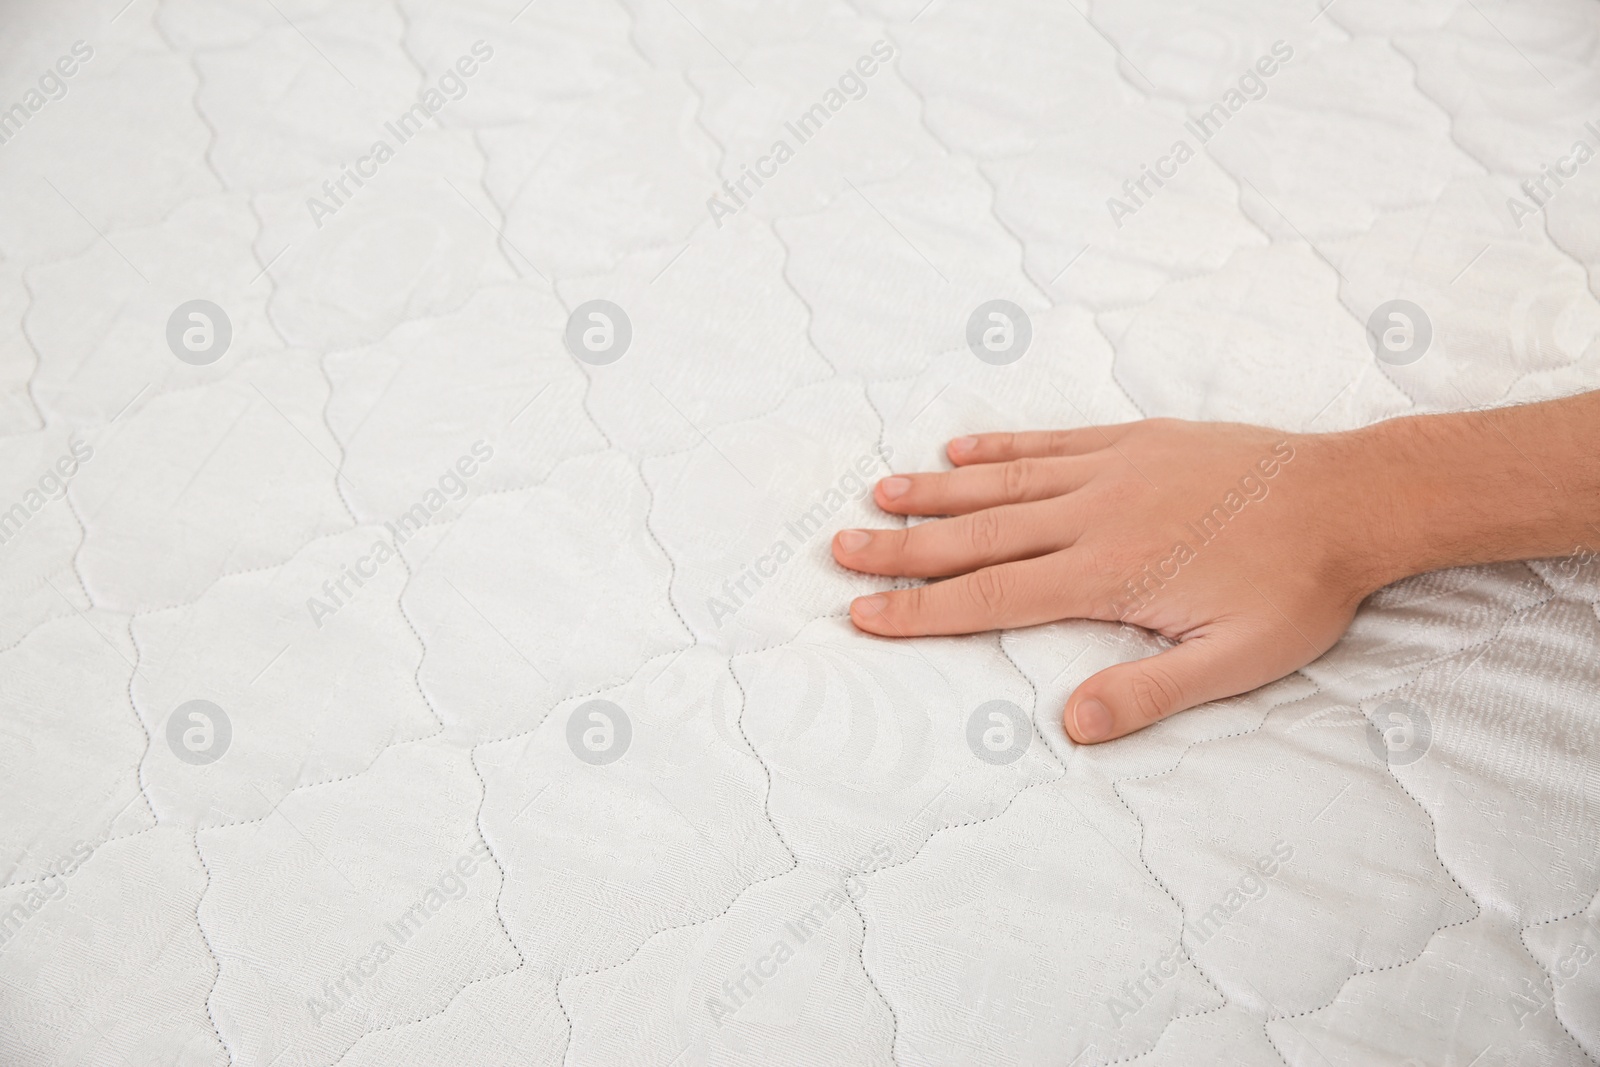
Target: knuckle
(899, 546)
(1060, 440)
(983, 532)
(1155, 693)
(910, 604)
(1016, 478)
(991, 589)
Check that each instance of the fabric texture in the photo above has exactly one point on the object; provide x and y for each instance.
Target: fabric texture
(424, 424)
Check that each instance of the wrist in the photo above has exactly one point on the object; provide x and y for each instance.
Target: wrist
(1412, 496)
(1373, 512)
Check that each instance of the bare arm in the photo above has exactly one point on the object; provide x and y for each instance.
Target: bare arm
(1487, 486)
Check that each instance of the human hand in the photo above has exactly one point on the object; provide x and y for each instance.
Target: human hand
(1248, 547)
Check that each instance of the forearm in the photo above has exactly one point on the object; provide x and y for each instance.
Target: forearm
(1484, 486)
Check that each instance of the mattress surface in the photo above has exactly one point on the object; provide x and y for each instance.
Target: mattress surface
(423, 426)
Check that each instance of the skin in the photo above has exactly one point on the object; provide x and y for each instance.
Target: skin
(1086, 523)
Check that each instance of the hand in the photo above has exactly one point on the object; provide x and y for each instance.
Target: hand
(1248, 547)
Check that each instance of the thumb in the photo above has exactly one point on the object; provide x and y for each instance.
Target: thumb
(1130, 696)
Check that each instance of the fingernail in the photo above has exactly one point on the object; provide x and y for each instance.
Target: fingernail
(963, 445)
(1093, 720)
(854, 540)
(894, 488)
(871, 605)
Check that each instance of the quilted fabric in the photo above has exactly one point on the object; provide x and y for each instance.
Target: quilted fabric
(406, 659)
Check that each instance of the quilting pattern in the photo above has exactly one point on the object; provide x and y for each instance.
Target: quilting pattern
(393, 671)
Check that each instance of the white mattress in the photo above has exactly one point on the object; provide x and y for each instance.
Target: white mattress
(778, 846)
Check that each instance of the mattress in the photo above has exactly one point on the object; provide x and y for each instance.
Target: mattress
(423, 427)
